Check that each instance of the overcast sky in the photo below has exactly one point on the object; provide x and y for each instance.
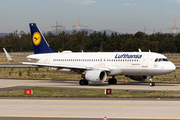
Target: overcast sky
(119, 15)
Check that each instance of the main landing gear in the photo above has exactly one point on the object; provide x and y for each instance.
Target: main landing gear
(151, 81)
(112, 80)
(83, 82)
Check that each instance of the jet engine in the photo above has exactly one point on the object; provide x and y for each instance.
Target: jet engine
(95, 75)
(138, 78)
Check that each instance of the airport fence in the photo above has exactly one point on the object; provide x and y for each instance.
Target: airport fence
(171, 54)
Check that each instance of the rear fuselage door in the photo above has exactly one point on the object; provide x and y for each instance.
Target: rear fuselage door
(47, 59)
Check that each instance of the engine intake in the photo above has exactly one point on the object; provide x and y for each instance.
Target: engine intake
(95, 75)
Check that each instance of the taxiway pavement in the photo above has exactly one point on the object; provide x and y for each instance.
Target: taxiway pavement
(89, 108)
(10, 84)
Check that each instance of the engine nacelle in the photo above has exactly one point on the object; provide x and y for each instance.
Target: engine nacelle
(95, 75)
(138, 78)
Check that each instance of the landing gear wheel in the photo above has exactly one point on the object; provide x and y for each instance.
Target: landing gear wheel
(112, 81)
(152, 84)
(151, 81)
(83, 82)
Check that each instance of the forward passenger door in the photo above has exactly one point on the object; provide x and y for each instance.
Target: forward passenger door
(145, 61)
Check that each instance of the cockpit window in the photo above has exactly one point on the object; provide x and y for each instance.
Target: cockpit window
(161, 59)
(165, 59)
(156, 59)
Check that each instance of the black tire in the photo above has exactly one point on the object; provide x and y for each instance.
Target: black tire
(83, 82)
(112, 81)
(86, 82)
(152, 84)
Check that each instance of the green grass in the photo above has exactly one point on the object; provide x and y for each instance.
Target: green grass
(45, 74)
(81, 93)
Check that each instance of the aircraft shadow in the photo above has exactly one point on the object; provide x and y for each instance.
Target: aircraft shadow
(98, 84)
(118, 83)
(142, 84)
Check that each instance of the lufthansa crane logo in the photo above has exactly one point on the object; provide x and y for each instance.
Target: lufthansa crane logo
(36, 38)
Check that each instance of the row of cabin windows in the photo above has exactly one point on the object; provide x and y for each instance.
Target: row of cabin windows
(108, 60)
(77, 59)
(128, 60)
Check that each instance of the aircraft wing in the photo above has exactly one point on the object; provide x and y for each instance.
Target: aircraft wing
(55, 65)
(65, 66)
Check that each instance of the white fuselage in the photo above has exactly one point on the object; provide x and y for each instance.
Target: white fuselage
(117, 63)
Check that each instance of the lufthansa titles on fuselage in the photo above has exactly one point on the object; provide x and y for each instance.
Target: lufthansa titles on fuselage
(127, 56)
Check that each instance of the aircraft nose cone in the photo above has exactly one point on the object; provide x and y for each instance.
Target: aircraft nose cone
(172, 67)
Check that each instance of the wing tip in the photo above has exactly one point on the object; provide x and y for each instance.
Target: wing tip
(7, 55)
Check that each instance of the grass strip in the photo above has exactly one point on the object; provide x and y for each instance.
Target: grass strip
(81, 93)
(46, 74)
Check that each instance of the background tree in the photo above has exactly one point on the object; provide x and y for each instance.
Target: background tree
(163, 43)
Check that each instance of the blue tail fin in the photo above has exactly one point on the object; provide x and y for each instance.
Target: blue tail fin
(39, 42)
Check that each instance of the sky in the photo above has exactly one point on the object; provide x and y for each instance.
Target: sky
(125, 16)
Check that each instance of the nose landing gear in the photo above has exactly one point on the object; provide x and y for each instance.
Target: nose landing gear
(151, 81)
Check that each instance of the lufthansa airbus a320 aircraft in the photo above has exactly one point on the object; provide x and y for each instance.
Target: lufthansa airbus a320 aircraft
(96, 66)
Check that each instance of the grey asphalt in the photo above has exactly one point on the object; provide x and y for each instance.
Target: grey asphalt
(11, 84)
(88, 109)
(35, 118)
(93, 99)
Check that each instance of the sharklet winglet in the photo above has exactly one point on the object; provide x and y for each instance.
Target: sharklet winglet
(7, 55)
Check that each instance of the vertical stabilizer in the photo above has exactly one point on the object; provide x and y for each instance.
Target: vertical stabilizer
(39, 42)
